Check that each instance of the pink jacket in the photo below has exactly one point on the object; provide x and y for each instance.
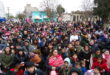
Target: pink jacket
(107, 57)
(56, 61)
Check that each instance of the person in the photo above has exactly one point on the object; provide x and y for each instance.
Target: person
(19, 41)
(92, 45)
(32, 70)
(106, 55)
(65, 69)
(95, 71)
(55, 61)
(2, 43)
(74, 72)
(28, 47)
(35, 58)
(94, 56)
(76, 69)
(71, 49)
(83, 67)
(74, 59)
(34, 43)
(73, 37)
(78, 47)
(101, 63)
(19, 60)
(20, 57)
(85, 55)
(84, 39)
(6, 59)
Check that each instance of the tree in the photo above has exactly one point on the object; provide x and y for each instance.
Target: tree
(60, 10)
(87, 6)
(102, 9)
(49, 6)
(50, 13)
(20, 16)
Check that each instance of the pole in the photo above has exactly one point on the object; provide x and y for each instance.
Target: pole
(8, 8)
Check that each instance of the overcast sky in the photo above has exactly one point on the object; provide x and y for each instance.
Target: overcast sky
(17, 6)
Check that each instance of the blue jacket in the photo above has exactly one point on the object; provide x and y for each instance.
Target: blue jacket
(83, 69)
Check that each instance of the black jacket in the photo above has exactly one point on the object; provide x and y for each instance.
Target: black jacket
(18, 59)
(36, 72)
(84, 55)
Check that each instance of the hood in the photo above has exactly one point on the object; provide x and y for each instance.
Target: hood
(68, 60)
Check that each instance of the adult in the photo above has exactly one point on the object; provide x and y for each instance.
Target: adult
(6, 59)
(55, 61)
(85, 55)
(27, 46)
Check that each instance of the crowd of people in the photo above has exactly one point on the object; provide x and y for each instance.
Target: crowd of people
(54, 48)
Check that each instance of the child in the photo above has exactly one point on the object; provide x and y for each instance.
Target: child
(65, 68)
(101, 63)
(95, 71)
(74, 59)
(76, 70)
(83, 67)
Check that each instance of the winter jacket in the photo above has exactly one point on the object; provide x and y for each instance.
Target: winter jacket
(84, 41)
(73, 61)
(84, 55)
(28, 49)
(83, 69)
(56, 61)
(102, 65)
(6, 60)
(18, 58)
(65, 69)
(107, 57)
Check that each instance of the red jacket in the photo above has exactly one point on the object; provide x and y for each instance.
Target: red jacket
(102, 65)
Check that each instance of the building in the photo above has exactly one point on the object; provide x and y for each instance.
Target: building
(28, 10)
(2, 10)
(79, 16)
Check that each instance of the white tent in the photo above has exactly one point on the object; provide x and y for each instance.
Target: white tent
(46, 17)
(36, 17)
